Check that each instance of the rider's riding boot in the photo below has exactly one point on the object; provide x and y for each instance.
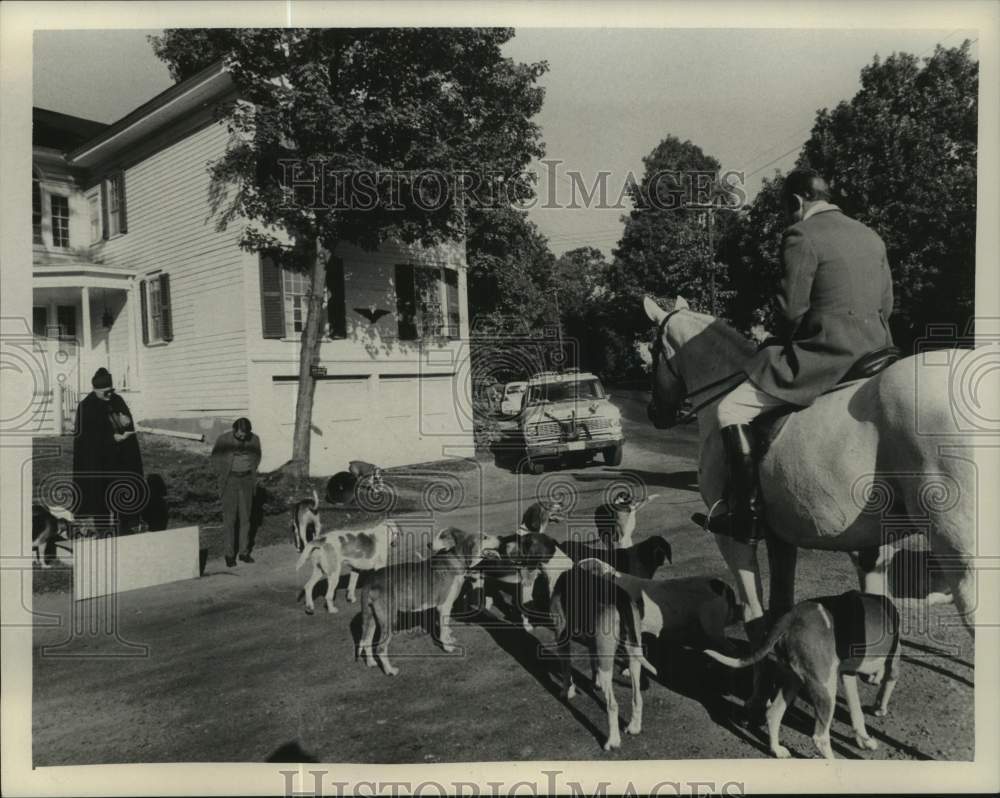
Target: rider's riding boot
(742, 522)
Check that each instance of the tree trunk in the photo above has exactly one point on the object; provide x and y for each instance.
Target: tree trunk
(308, 357)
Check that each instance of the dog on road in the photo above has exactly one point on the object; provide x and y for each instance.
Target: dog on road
(306, 524)
(360, 549)
(49, 525)
(615, 520)
(418, 586)
(609, 609)
(641, 559)
(819, 640)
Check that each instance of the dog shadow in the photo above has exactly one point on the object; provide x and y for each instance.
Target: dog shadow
(290, 752)
(424, 621)
(677, 480)
(723, 692)
(937, 652)
(689, 672)
(540, 662)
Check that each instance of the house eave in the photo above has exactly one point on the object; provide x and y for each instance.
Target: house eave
(75, 274)
(166, 108)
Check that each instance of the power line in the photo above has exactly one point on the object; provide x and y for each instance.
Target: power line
(808, 127)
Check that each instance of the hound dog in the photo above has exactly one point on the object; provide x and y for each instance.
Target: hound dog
(306, 525)
(608, 608)
(518, 565)
(819, 639)
(417, 586)
(360, 549)
(368, 473)
(49, 525)
(615, 520)
(642, 559)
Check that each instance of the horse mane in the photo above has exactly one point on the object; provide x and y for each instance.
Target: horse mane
(728, 341)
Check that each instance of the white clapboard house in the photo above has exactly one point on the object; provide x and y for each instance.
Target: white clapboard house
(130, 272)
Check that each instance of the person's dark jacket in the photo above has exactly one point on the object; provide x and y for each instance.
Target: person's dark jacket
(835, 303)
(99, 461)
(222, 455)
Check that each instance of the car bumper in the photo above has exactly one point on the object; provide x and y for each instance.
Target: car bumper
(559, 448)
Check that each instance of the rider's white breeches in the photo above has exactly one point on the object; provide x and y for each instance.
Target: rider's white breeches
(744, 403)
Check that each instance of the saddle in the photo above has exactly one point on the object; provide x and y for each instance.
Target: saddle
(767, 425)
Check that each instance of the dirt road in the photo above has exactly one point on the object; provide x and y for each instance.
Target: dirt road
(229, 668)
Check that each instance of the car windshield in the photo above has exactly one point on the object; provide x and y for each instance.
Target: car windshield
(565, 391)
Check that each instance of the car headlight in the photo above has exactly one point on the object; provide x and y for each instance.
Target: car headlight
(616, 423)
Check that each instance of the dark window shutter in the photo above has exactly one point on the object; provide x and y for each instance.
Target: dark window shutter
(272, 306)
(166, 318)
(122, 212)
(406, 303)
(145, 311)
(454, 316)
(105, 224)
(336, 308)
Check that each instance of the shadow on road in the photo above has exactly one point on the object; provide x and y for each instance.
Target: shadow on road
(291, 752)
(677, 480)
(525, 650)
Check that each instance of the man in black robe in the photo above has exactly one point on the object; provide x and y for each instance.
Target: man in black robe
(107, 465)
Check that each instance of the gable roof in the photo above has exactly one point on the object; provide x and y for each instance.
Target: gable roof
(168, 106)
(61, 131)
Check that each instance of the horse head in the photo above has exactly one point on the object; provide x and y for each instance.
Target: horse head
(668, 386)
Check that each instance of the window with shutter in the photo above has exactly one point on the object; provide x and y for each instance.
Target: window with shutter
(154, 300)
(454, 317)
(272, 305)
(166, 318)
(36, 210)
(60, 221)
(336, 306)
(113, 195)
(143, 306)
(406, 302)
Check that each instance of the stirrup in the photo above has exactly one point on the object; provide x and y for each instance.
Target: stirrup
(722, 525)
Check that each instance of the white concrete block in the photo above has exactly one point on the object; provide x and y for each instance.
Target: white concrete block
(115, 564)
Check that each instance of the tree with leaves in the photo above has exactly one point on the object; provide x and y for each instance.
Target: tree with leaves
(380, 108)
(900, 156)
(667, 247)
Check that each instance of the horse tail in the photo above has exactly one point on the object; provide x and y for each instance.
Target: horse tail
(772, 640)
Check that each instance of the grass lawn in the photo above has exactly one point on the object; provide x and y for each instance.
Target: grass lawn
(190, 493)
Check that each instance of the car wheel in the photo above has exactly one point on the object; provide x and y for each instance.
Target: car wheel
(613, 455)
(534, 467)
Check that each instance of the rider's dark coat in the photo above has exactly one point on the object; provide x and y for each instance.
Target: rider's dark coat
(835, 301)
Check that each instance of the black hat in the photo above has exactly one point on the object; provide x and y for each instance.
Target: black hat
(101, 379)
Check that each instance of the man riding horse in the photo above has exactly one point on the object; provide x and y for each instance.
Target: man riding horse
(835, 301)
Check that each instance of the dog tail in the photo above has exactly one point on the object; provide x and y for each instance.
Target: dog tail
(630, 614)
(772, 640)
(307, 550)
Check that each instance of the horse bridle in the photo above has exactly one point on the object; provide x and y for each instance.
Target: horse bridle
(658, 350)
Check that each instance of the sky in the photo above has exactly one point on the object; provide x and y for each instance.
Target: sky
(746, 97)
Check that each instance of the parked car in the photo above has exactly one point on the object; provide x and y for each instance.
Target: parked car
(513, 398)
(567, 415)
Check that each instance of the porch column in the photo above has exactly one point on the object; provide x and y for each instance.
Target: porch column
(134, 332)
(87, 342)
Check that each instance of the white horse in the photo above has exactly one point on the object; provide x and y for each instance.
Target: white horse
(834, 468)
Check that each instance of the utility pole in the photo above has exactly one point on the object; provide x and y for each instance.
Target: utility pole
(711, 254)
(710, 209)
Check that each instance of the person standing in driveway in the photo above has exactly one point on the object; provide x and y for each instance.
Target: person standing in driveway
(236, 456)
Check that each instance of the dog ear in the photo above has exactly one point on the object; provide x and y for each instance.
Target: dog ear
(444, 539)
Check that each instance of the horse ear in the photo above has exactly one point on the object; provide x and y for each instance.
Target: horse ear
(681, 304)
(653, 311)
